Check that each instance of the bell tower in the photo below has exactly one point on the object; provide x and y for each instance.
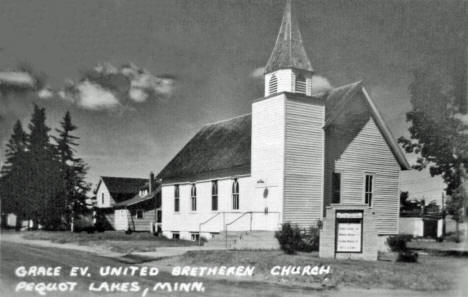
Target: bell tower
(288, 69)
(287, 160)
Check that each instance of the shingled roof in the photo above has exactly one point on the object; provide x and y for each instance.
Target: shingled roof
(336, 104)
(218, 149)
(122, 188)
(289, 50)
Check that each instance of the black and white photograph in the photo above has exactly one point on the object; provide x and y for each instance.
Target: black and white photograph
(234, 148)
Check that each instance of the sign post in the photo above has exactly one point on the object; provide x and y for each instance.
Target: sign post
(348, 231)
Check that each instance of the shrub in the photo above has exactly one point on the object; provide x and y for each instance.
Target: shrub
(397, 243)
(310, 240)
(292, 239)
(83, 223)
(407, 256)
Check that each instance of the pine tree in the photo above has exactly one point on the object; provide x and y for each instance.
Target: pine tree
(12, 174)
(45, 186)
(73, 169)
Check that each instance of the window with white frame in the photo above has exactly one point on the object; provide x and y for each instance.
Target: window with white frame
(273, 85)
(235, 194)
(214, 195)
(175, 235)
(369, 189)
(176, 198)
(193, 195)
(102, 198)
(300, 84)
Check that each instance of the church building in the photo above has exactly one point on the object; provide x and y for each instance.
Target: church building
(301, 153)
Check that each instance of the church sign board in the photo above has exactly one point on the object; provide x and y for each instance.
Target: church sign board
(348, 232)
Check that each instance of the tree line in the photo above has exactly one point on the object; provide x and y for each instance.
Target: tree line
(42, 179)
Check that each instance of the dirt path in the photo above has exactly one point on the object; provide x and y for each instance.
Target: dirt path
(102, 250)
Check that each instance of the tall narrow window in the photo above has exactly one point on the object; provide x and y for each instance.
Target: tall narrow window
(336, 187)
(102, 198)
(214, 195)
(193, 195)
(176, 198)
(369, 188)
(235, 194)
(273, 85)
(300, 84)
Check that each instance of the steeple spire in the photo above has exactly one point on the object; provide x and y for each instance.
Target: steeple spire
(289, 51)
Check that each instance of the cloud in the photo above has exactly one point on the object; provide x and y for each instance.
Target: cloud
(18, 78)
(17, 81)
(144, 85)
(258, 72)
(107, 87)
(89, 95)
(462, 117)
(46, 93)
(23, 80)
(320, 85)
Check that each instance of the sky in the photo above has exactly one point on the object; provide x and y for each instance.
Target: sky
(140, 78)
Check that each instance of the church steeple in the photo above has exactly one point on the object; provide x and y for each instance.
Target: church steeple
(289, 50)
(288, 69)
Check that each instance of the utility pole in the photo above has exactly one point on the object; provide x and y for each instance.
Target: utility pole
(443, 216)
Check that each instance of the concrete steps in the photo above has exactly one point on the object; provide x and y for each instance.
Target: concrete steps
(239, 240)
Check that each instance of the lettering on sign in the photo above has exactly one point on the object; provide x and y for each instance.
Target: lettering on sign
(348, 231)
(348, 237)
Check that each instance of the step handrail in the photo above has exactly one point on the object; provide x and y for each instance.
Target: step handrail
(242, 215)
(203, 223)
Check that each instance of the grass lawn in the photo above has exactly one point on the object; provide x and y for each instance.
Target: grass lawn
(431, 273)
(447, 245)
(117, 241)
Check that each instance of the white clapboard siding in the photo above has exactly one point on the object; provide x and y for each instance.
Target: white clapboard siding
(143, 224)
(121, 219)
(369, 153)
(268, 147)
(304, 161)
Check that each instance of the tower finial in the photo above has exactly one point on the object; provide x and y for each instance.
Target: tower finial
(289, 50)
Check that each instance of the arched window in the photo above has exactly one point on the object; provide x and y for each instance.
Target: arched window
(176, 198)
(273, 85)
(193, 195)
(235, 194)
(300, 84)
(214, 195)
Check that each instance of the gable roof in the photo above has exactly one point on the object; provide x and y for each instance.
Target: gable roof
(336, 104)
(289, 50)
(122, 188)
(218, 149)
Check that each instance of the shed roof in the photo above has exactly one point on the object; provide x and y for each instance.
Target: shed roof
(138, 199)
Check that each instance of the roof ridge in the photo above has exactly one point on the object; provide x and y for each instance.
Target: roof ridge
(227, 120)
(356, 83)
(104, 176)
